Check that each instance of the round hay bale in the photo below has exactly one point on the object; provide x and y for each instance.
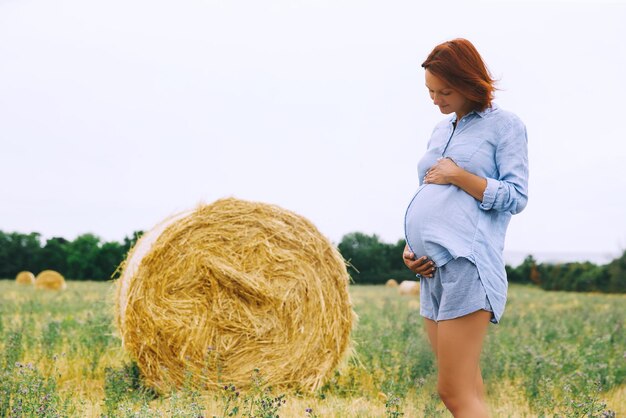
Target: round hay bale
(51, 280)
(25, 277)
(230, 288)
(409, 287)
(391, 283)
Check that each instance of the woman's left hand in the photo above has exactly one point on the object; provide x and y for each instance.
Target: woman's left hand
(442, 172)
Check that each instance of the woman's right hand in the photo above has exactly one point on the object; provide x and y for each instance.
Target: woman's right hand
(422, 266)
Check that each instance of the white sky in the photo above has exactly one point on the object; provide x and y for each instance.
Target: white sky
(115, 114)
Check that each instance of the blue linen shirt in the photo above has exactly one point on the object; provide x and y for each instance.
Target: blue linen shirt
(444, 222)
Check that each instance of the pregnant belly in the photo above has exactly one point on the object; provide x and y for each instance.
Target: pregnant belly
(441, 220)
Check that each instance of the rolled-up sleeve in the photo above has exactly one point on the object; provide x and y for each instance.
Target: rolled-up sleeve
(509, 192)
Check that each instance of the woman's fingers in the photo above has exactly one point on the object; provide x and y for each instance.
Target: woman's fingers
(421, 265)
(442, 171)
(426, 269)
(421, 262)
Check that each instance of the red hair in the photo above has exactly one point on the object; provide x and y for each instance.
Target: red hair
(458, 63)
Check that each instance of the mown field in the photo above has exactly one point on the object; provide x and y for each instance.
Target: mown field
(554, 354)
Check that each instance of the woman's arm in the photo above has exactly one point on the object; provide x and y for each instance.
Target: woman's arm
(508, 192)
(447, 172)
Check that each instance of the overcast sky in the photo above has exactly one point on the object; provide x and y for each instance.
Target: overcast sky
(116, 114)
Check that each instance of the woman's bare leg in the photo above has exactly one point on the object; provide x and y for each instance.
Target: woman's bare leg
(459, 343)
(431, 331)
(480, 387)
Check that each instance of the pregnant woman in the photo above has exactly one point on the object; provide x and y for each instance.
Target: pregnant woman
(473, 177)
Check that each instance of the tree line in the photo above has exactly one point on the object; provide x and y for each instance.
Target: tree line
(577, 276)
(370, 261)
(85, 258)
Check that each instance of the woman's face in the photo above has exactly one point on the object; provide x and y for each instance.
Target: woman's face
(448, 99)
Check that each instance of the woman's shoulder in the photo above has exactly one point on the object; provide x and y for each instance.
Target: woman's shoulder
(504, 119)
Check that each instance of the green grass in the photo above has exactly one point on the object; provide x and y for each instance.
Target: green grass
(554, 354)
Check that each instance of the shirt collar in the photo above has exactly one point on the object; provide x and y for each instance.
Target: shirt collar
(482, 113)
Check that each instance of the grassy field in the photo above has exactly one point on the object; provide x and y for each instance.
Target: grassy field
(554, 354)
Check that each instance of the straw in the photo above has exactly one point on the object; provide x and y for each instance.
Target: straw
(50, 280)
(230, 288)
(25, 277)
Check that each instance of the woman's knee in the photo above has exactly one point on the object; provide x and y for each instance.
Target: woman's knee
(456, 399)
(446, 393)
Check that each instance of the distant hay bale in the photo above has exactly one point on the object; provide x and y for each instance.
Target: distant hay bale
(391, 283)
(25, 277)
(51, 280)
(409, 287)
(234, 286)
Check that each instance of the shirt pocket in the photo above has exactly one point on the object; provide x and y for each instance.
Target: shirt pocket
(464, 148)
